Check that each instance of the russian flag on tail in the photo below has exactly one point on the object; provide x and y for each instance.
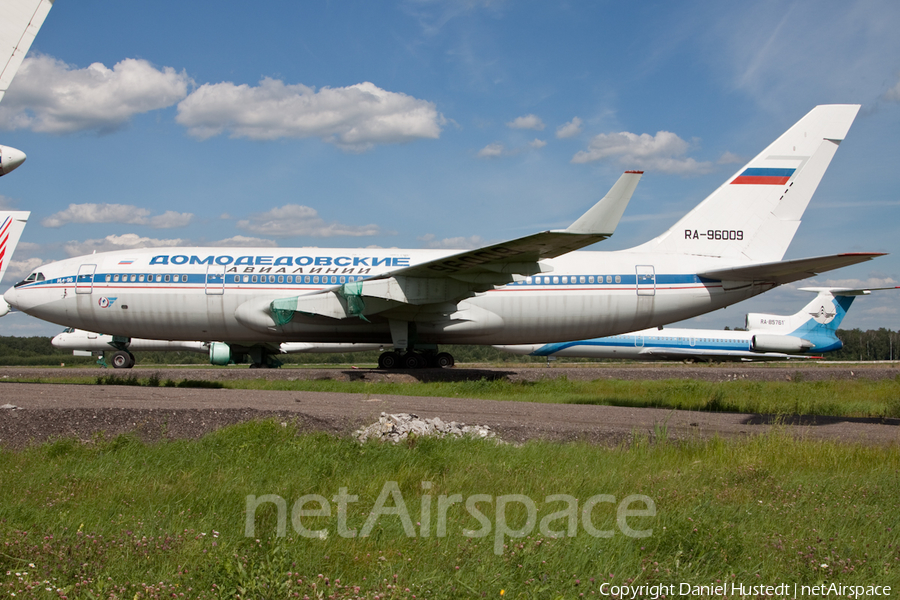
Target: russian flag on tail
(763, 176)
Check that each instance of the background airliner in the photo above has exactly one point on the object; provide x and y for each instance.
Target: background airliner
(105, 345)
(20, 21)
(534, 289)
(809, 332)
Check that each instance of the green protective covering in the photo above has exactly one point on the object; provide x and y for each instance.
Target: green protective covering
(352, 293)
(283, 310)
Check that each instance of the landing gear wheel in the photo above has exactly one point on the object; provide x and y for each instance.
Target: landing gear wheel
(122, 360)
(413, 360)
(444, 359)
(389, 360)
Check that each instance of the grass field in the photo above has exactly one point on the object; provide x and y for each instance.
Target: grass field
(119, 519)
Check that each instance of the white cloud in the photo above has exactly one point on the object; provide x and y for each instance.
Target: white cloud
(354, 118)
(430, 241)
(50, 96)
(20, 269)
(5, 203)
(729, 158)
(662, 152)
(491, 151)
(116, 213)
(570, 129)
(245, 242)
(893, 94)
(295, 220)
(170, 219)
(527, 122)
(536, 143)
(117, 242)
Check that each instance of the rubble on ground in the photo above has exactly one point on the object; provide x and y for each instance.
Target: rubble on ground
(401, 426)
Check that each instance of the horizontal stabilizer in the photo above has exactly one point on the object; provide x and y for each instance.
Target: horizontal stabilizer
(786, 271)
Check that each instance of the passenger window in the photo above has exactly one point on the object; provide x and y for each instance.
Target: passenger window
(281, 279)
(290, 279)
(167, 279)
(581, 279)
(254, 279)
(315, 279)
(618, 279)
(591, 279)
(306, 279)
(141, 278)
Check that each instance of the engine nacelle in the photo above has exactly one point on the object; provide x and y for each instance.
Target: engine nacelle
(788, 344)
(10, 158)
(219, 353)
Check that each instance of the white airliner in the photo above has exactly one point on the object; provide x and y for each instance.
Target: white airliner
(534, 289)
(88, 342)
(20, 21)
(805, 334)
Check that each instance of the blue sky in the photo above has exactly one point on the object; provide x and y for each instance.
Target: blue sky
(442, 124)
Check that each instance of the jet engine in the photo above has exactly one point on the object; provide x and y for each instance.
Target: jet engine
(779, 343)
(219, 353)
(10, 158)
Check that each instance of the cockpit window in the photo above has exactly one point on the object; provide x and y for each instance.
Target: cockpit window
(34, 277)
(69, 330)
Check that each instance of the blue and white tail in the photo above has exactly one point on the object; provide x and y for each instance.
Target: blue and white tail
(753, 216)
(817, 322)
(11, 226)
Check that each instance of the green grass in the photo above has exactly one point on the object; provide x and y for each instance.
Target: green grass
(120, 519)
(840, 398)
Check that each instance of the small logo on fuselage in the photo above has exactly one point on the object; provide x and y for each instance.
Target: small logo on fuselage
(105, 302)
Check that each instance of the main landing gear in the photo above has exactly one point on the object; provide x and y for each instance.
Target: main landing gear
(415, 360)
(122, 360)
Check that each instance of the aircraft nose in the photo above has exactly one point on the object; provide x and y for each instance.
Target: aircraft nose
(9, 299)
(56, 342)
(10, 158)
(4, 307)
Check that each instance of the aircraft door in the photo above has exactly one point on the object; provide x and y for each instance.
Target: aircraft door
(646, 280)
(639, 341)
(215, 280)
(84, 283)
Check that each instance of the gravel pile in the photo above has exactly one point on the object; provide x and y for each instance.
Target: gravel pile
(400, 426)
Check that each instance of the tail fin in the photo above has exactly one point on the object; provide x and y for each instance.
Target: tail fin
(11, 226)
(753, 216)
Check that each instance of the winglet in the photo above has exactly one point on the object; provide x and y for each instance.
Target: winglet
(21, 21)
(604, 216)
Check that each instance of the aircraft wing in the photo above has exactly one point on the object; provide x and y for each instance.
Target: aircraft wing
(19, 25)
(786, 271)
(453, 277)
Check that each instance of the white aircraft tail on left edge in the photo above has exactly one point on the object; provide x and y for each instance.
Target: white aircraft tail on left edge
(11, 226)
(534, 289)
(20, 21)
